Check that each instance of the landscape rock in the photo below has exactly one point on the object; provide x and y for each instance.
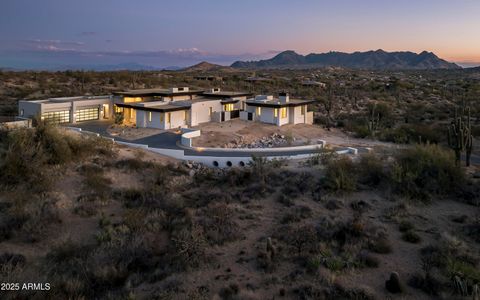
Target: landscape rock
(274, 140)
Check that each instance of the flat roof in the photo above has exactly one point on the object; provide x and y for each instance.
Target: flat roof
(68, 99)
(157, 108)
(157, 92)
(226, 94)
(276, 103)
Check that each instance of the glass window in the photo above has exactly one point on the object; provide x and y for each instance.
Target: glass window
(303, 110)
(275, 112)
(87, 114)
(56, 117)
(149, 116)
(283, 112)
(132, 99)
(118, 109)
(210, 111)
(228, 107)
(259, 111)
(169, 117)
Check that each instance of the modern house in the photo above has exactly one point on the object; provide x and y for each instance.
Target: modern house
(68, 109)
(278, 111)
(177, 107)
(171, 108)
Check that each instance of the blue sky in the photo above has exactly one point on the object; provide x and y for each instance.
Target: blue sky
(163, 33)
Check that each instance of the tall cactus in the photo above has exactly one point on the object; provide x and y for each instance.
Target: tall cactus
(373, 121)
(460, 137)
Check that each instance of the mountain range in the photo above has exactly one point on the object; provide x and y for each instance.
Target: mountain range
(378, 59)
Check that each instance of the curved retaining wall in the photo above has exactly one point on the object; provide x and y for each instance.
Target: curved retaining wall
(227, 160)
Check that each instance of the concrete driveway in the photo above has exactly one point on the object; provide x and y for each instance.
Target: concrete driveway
(166, 140)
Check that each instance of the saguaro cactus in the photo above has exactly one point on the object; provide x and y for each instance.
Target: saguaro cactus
(460, 137)
(373, 121)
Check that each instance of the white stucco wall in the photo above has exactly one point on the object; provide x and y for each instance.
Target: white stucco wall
(296, 116)
(200, 112)
(176, 120)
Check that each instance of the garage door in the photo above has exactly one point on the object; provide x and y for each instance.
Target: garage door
(56, 117)
(87, 114)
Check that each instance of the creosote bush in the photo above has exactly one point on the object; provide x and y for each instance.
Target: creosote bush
(340, 175)
(426, 170)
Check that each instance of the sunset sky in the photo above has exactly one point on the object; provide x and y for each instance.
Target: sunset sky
(52, 33)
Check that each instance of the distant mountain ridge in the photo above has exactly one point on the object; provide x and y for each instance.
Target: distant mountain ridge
(378, 59)
(206, 67)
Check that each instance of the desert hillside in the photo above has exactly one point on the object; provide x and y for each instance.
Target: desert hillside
(96, 220)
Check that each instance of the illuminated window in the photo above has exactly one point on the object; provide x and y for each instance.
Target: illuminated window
(118, 109)
(283, 112)
(169, 117)
(210, 111)
(228, 107)
(132, 99)
(149, 116)
(56, 117)
(275, 112)
(259, 111)
(87, 114)
(303, 110)
(185, 115)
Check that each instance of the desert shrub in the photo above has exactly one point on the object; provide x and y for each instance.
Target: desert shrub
(368, 260)
(360, 131)
(473, 230)
(405, 226)
(29, 217)
(236, 177)
(65, 267)
(431, 283)
(424, 170)
(302, 239)
(453, 258)
(370, 170)
(133, 164)
(22, 160)
(10, 263)
(188, 247)
(55, 144)
(296, 214)
(411, 237)
(26, 155)
(340, 175)
(219, 224)
(285, 200)
(409, 134)
(131, 197)
(381, 245)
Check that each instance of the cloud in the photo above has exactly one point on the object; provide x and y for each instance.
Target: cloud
(53, 53)
(53, 42)
(87, 33)
(50, 45)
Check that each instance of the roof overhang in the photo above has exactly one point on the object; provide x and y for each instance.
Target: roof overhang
(167, 108)
(279, 105)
